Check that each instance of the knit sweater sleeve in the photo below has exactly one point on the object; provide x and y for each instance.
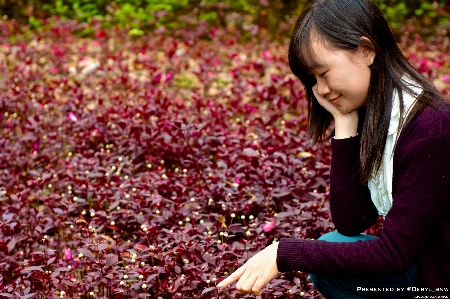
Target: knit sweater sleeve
(352, 209)
(420, 195)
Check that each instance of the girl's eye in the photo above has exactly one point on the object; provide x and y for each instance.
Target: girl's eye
(323, 74)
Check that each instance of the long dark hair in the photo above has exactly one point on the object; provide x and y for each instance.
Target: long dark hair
(342, 24)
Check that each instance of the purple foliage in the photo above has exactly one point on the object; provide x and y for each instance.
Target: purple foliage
(153, 167)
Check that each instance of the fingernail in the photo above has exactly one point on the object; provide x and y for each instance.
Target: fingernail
(219, 285)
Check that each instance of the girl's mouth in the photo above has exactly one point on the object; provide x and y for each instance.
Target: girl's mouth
(335, 100)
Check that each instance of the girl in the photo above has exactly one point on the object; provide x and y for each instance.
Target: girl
(390, 150)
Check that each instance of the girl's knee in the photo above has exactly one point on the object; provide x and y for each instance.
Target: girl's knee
(338, 237)
(331, 236)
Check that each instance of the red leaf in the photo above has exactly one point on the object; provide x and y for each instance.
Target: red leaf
(86, 252)
(111, 259)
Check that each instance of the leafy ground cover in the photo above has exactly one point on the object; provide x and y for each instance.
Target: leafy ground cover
(152, 167)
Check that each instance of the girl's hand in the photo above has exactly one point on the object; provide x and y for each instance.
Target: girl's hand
(325, 103)
(345, 124)
(256, 272)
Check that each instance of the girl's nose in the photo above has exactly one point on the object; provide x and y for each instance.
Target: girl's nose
(322, 88)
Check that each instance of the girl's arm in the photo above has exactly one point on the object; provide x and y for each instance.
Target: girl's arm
(352, 209)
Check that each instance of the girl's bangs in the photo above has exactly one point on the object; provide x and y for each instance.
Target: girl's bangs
(306, 56)
(303, 60)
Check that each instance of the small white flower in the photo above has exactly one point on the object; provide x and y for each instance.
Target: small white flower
(125, 276)
(233, 215)
(141, 276)
(144, 286)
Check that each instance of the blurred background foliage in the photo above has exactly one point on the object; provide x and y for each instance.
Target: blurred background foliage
(277, 16)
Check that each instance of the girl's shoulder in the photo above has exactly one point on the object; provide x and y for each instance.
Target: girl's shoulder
(432, 121)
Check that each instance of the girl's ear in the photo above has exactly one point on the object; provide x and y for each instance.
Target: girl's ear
(367, 50)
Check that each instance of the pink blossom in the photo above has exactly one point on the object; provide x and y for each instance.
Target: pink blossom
(67, 254)
(423, 62)
(169, 76)
(72, 116)
(269, 226)
(446, 78)
(95, 132)
(35, 146)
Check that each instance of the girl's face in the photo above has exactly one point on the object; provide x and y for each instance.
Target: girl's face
(343, 77)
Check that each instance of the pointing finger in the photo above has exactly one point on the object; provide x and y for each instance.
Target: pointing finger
(232, 278)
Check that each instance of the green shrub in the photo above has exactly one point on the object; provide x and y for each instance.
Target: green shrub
(140, 14)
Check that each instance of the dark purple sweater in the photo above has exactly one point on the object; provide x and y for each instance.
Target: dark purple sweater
(416, 229)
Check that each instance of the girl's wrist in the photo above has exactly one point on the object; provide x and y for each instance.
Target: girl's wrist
(346, 125)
